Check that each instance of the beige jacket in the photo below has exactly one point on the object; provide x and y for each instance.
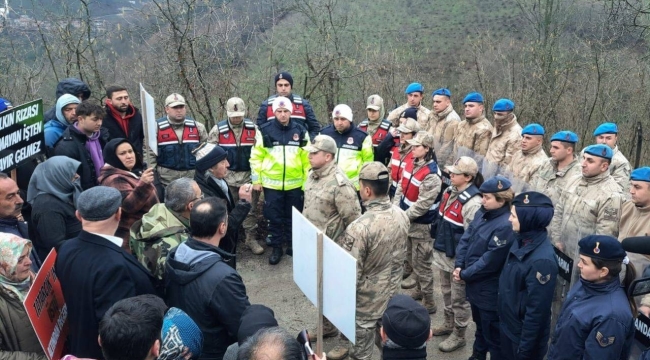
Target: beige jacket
(443, 127)
(620, 169)
(506, 140)
(423, 115)
(551, 181)
(473, 135)
(525, 166)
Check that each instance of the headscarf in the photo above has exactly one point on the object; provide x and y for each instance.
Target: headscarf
(533, 218)
(110, 156)
(54, 177)
(11, 247)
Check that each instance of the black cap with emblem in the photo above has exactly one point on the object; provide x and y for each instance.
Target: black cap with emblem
(602, 247)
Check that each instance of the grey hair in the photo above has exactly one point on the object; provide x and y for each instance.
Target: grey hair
(179, 193)
(271, 338)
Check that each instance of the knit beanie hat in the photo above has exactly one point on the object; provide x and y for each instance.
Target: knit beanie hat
(181, 337)
(284, 75)
(208, 155)
(406, 322)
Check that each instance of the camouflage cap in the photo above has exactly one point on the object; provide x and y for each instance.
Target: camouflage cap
(375, 102)
(464, 165)
(174, 100)
(422, 138)
(235, 107)
(373, 171)
(409, 126)
(322, 143)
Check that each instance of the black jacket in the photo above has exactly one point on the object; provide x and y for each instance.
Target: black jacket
(404, 354)
(218, 295)
(526, 289)
(95, 274)
(72, 86)
(114, 130)
(53, 221)
(237, 212)
(73, 145)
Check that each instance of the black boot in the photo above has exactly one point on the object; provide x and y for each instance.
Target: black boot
(290, 251)
(276, 256)
(477, 356)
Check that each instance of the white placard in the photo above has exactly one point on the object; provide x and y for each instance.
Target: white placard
(149, 119)
(339, 274)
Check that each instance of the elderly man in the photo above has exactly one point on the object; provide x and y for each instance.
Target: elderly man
(90, 287)
(165, 226)
(527, 161)
(413, 93)
(177, 137)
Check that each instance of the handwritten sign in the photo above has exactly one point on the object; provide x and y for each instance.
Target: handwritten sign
(21, 134)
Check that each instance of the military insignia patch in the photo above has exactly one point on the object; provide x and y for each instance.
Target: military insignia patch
(372, 100)
(596, 249)
(337, 113)
(603, 340)
(604, 152)
(350, 140)
(543, 279)
(280, 76)
(526, 201)
(296, 137)
(499, 242)
(499, 185)
(226, 135)
(281, 104)
(534, 130)
(567, 137)
(234, 107)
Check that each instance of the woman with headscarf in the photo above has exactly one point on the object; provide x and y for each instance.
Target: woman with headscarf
(527, 281)
(52, 192)
(480, 256)
(123, 170)
(18, 340)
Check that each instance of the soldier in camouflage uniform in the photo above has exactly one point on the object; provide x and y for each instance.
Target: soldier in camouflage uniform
(331, 201)
(506, 135)
(607, 133)
(376, 240)
(526, 162)
(443, 122)
(473, 133)
(414, 100)
(417, 194)
(563, 165)
(165, 226)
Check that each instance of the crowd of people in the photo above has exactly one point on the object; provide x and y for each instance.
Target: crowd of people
(146, 238)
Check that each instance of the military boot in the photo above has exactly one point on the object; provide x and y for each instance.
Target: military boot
(429, 303)
(252, 244)
(415, 293)
(338, 353)
(446, 327)
(329, 330)
(477, 356)
(455, 341)
(409, 282)
(275, 257)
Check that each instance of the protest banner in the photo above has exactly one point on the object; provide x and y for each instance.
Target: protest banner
(21, 135)
(47, 310)
(150, 127)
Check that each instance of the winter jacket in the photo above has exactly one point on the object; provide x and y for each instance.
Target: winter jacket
(526, 287)
(307, 119)
(525, 165)
(237, 212)
(506, 140)
(18, 340)
(135, 134)
(481, 253)
(53, 221)
(422, 115)
(473, 137)
(72, 145)
(72, 86)
(551, 181)
(353, 149)
(595, 323)
(137, 197)
(443, 127)
(152, 237)
(218, 293)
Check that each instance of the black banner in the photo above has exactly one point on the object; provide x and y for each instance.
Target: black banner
(21, 134)
(642, 332)
(564, 264)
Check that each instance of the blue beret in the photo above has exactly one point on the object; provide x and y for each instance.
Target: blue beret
(566, 136)
(4, 104)
(602, 247)
(414, 87)
(442, 91)
(473, 97)
(532, 199)
(600, 150)
(641, 174)
(503, 105)
(495, 184)
(533, 129)
(606, 128)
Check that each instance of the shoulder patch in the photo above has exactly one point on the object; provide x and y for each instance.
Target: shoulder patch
(603, 340)
(543, 279)
(499, 242)
(611, 214)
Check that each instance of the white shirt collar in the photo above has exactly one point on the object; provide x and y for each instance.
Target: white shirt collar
(114, 239)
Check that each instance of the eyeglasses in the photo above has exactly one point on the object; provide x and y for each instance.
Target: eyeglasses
(199, 198)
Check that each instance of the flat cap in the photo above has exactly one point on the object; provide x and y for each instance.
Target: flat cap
(566, 136)
(533, 129)
(532, 199)
(373, 171)
(606, 128)
(600, 150)
(602, 247)
(495, 185)
(322, 143)
(99, 203)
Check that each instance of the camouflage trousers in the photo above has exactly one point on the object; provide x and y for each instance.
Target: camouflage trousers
(422, 262)
(250, 223)
(453, 295)
(367, 335)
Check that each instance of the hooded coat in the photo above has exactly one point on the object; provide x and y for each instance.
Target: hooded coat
(55, 127)
(71, 86)
(219, 295)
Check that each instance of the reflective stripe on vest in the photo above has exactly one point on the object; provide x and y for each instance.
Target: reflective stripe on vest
(398, 163)
(380, 134)
(227, 137)
(167, 135)
(411, 182)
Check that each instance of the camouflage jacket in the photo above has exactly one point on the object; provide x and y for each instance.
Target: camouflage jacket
(378, 241)
(443, 128)
(586, 206)
(474, 135)
(551, 181)
(620, 169)
(525, 166)
(159, 231)
(331, 202)
(506, 140)
(423, 115)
